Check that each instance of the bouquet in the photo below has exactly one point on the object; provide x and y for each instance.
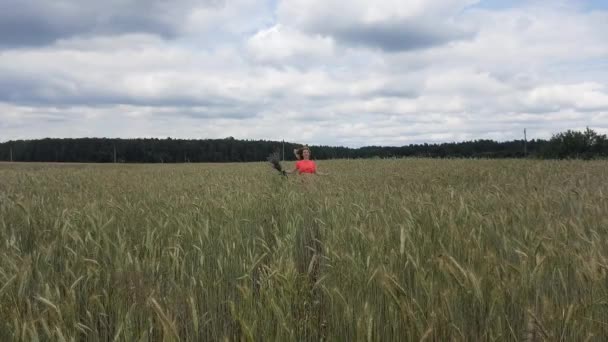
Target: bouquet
(275, 161)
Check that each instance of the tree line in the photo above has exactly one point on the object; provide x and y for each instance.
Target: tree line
(570, 144)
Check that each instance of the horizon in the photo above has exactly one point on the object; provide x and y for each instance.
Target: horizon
(388, 73)
(287, 142)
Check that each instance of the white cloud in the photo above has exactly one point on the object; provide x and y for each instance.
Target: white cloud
(279, 43)
(582, 97)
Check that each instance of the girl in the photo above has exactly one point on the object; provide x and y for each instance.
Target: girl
(305, 164)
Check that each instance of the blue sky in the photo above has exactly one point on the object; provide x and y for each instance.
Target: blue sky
(596, 4)
(505, 4)
(332, 72)
(499, 4)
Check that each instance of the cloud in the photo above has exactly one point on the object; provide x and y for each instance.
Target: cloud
(152, 73)
(581, 97)
(38, 22)
(280, 43)
(385, 73)
(386, 25)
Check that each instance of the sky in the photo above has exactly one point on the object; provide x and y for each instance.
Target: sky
(332, 72)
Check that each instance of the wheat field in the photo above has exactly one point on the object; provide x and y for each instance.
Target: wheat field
(378, 250)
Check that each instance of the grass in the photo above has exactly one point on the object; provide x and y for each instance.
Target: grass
(411, 249)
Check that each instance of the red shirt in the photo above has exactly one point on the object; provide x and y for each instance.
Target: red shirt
(306, 166)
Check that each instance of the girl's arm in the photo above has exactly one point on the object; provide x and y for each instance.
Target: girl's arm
(295, 168)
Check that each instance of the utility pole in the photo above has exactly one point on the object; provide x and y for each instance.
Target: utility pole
(283, 149)
(11, 153)
(114, 154)
(525, 144)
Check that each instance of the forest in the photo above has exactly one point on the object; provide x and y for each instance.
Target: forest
(570, 144)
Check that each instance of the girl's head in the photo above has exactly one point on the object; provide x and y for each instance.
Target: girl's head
(303, 153)
(306, 155)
